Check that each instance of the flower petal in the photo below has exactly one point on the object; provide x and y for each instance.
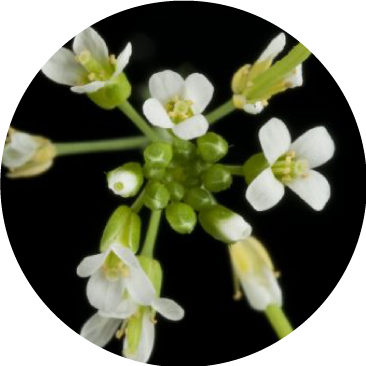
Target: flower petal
(100, 330)
(264, 191)
(314, 189)
(125, 254)
(89, 88)
(169, 309)
(275, 139)
(156, 114)
(199, 90)
(234, 228)
(123, 310)
(255, 108)
(294, 79)
(146, 343)
(20, 150)
(90, 40)
(89, 265)
(103, 293)
(63, 68)
(122, 59)
(274, 48)
(166, 85)
(315, 145)
(191, 128)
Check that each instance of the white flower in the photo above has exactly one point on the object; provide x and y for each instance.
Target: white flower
(27, 155)
(254, 268)
(178, 104)
(89, 67)
(244, 78)
(291, 165)
(114, 274)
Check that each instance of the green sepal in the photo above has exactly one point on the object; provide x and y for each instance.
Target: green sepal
(217, 178)
(176, 190)
(156, 196)
(154, 173)
(181, 217)
(198, 198)
(212, 147)
(158, 154)
(133, 331)
(153, 270)
(184, 150)
(254, 166)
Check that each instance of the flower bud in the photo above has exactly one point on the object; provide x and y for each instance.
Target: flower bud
(181, 217)
(184, 150)
(156, 196)
(254, 166)
(27, 155)
(224, 224)
(198, 198)
(176, 190)
(217, 178)
(123, 227)
(158, 154)
(154, 173)
(126, 180)
(212, 147)
(153, 270)
(254, 268)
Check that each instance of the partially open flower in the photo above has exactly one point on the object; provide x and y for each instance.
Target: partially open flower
(27, 155)
(90, 69)
(244, 78)
(178, 104)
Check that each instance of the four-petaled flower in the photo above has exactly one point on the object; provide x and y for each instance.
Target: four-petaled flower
(178, 104)
(291, 165)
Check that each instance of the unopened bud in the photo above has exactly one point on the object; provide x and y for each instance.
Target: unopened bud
(217, 178)
(181, 217)
(176, 190)
(198, 198)
(156, 196)
(212, 147)
(153, 270)
(158, 154)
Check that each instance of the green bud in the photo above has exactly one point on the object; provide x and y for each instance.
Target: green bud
(212, 147)
(156, 196)
(158, 154)
(126, 180)
(192, 181)
(123, 227)
(176, 190)
(113, 94)
(198, 198)
(197, 167)
(153, 270)
(184, 150)
(224, 224)
(181, 217)
(154, 173)
(217, 178)
(254, 166)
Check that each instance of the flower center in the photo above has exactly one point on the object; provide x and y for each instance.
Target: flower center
(115, 268)
(118, 186)
(179, 110)
(288, 167)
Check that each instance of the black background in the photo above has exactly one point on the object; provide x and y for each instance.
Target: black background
(56, 219)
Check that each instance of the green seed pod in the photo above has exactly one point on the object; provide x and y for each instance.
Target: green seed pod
(198, 198)
(181, 217)
(184, 150)
(158, 154)
(254, 166)
(126, 180)
(154, 173)
(217, 178)
(134, 332)
(212, 147)
(156, 196)
(176, 190)
(224, 224)
(153, 270)
(123, 227)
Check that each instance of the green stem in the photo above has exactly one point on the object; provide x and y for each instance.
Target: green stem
(87, 147)
(140, 123)
(220, 112)
(152, 232)
(278, 320)
(139, 202)
(235, 169)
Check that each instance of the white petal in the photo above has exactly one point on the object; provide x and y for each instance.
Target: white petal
(199, 90)
(274, 48)
(166, 85)
(275, 139)
(91, 264)
(169, 309)
(20, 150)
(103, 293)
(90, 40)
(123, 310)
(89, 88)
(146, 343)
(127, 178)
(126, 255)
(156, 114)
(265, 191)
(315, 145)
(63, 68)
(191, 128)
(100, 330)
(262, 290)
(314, 189)
(235, 228)
(295, 79)
(255, 108)
(122, 59)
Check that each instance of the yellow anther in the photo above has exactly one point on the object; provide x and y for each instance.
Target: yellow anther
(291, 153)
(153, 319)
(120, 333)
(250, 83)
(238, 295)
(92, 76)
(112, 60)
(277, 274)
